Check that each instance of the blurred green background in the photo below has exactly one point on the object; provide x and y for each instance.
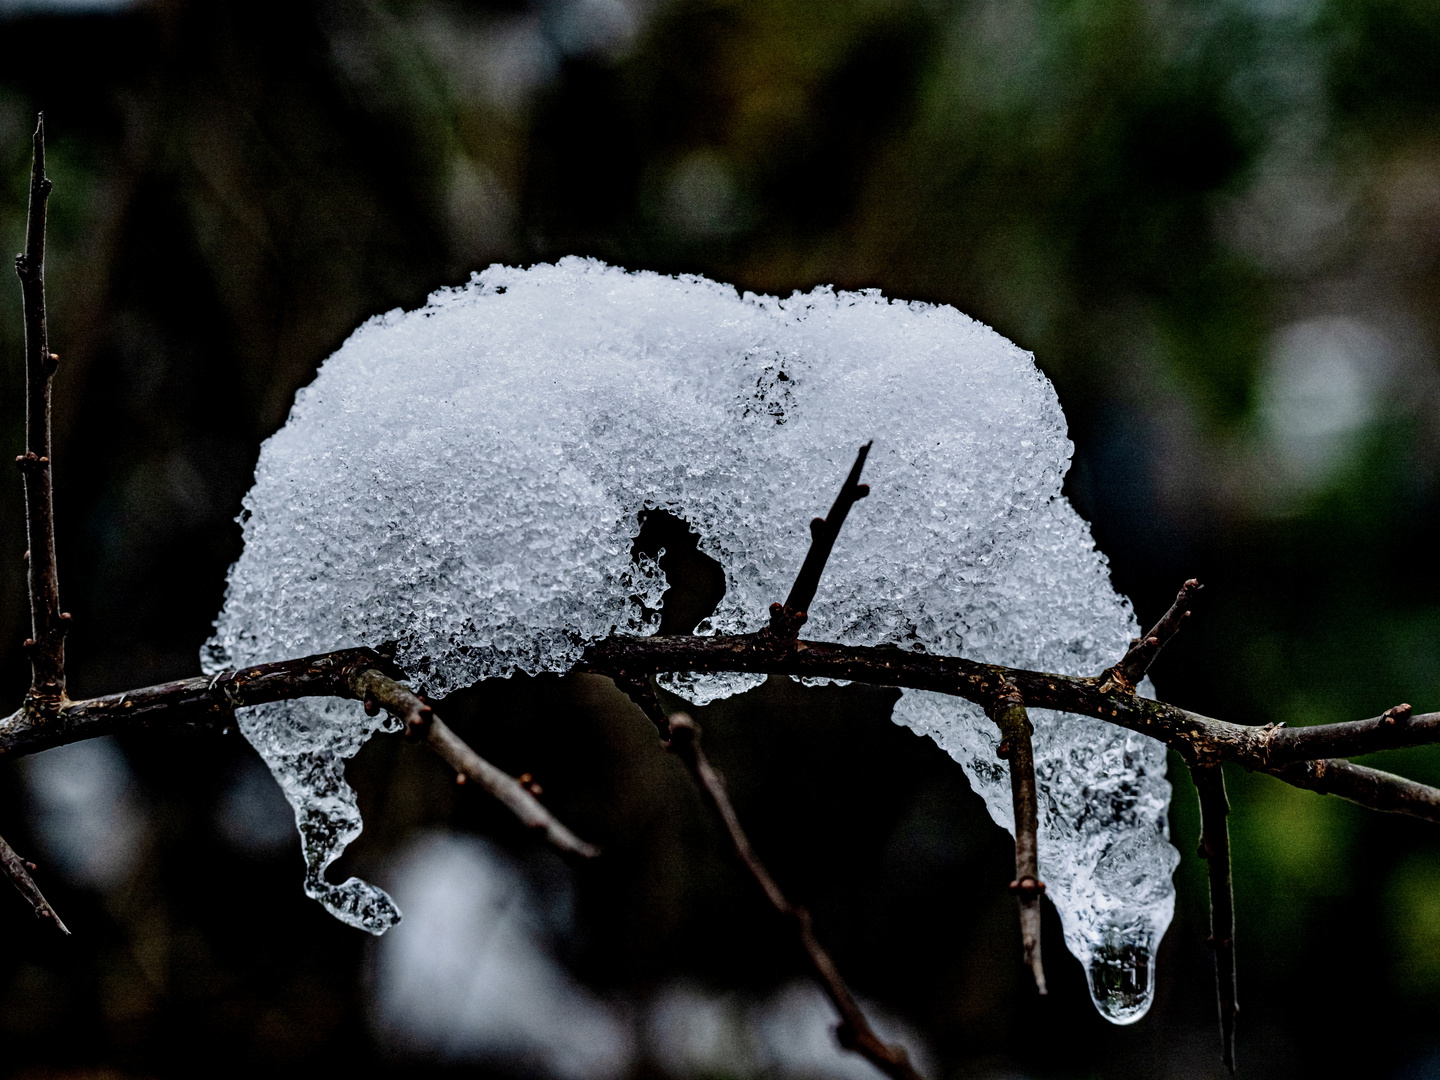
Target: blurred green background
(1216, 225)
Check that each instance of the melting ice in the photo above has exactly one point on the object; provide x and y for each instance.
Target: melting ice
(466, 479)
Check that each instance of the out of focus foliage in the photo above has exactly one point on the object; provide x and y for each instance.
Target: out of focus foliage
(1217, 225)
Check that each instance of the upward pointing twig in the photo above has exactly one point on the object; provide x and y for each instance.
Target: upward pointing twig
(1010, 715)
(1126, 675)
(787, 618)
(1215, 849)
(46, 645)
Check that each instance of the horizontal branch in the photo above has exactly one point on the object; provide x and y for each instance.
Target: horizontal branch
(1199, 739)
(1393, 729)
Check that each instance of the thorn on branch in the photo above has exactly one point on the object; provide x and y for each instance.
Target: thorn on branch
(18, 871)
(1126, 675)
(787, 618)
(854, 1031)
(1215, 849)
(1011, 717)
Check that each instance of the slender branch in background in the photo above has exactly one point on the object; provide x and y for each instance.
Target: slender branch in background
(18, 871)
(1215, 849)
(1126, 675)
(1010, 716)
(46, 645)
(787, 618)
(379, 691)
(854, 1032)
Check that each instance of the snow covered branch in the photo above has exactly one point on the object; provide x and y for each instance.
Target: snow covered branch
(1025, 455)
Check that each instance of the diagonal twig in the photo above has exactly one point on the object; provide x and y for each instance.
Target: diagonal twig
(379, 691)
(46, 644)
(787, 618)
(1363, 785)
(1126, 675)
(18, 871)
(1011, 717)
(1215, 849)
(854, 1032)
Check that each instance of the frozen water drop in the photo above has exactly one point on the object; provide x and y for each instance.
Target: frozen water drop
(1121, 973)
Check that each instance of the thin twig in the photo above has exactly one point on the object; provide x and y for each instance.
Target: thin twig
(46, 644)
(1215, 849)
(854, 1031)
(787, 618)
(1368, 787)
(1394, 728)
(1010, 716)
(18, 871)
(1126, 675)
(379, 691)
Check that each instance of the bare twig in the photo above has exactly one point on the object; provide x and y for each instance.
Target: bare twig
(854, 1031)
(787, 618)
(1368, 787)
(1126, 675)
(1394, 728)
(1215, 849)
(18, 871)
(1199, 739)
(379, 691)
(46, 645)
(1010, 716)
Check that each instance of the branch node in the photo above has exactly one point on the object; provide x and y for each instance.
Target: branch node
(1398, 714)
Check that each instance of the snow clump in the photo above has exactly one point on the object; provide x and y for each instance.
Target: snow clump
(465, 479)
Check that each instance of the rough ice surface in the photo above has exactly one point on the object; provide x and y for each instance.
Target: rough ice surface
(465, 480)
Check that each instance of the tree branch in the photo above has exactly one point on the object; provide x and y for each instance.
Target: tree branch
(1010, 716)
(854, 1032)
(1368, 787)
(1126, 675)
(787, 618)
(18, 871)
(1215, 849)
(379, 691)
(46, 644)
(1199, 739)
(1394, 728)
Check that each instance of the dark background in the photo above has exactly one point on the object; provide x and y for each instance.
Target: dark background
(1217, 225)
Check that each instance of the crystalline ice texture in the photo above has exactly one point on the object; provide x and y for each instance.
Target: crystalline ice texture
(465, 480)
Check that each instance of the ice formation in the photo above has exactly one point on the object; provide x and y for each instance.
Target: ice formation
(465, 479)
